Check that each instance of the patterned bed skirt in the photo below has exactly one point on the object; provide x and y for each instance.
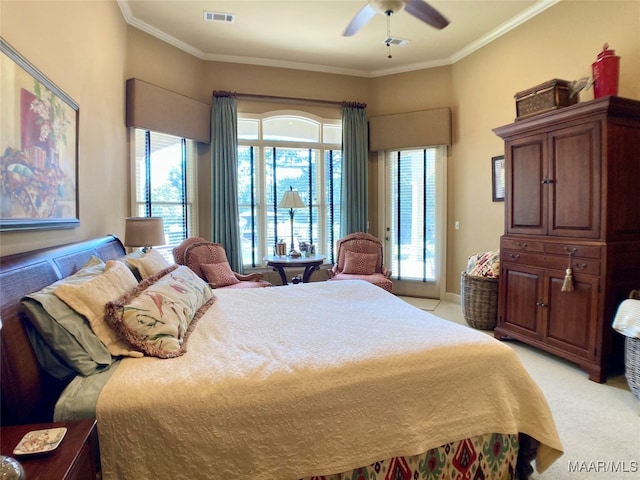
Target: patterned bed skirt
(492, 456)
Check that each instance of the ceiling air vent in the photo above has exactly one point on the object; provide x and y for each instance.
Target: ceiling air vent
(398, 42)
(219, 17)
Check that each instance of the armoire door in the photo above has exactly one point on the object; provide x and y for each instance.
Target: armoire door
(573, 181)
(527, 199)
(523, 286)
(571, 317)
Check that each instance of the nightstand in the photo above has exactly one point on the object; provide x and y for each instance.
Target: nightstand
(76, 458)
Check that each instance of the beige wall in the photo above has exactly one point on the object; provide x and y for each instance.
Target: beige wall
(562, 42)
(89, 52)
(81, 48)
(163, 65)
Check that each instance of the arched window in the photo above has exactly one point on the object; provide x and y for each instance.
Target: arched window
(284, 150)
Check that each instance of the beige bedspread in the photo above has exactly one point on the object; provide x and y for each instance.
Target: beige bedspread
(309, 379)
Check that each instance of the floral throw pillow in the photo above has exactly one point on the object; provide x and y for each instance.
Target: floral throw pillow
(158, 315)
(360, 263)
(219, 274)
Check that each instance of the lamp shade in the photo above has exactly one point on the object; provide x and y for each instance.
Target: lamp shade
(143, 232)
(291, 199)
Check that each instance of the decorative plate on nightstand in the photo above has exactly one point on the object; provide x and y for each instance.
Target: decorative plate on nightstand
(40, 441)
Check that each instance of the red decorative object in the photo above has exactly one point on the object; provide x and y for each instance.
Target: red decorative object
(605, 73)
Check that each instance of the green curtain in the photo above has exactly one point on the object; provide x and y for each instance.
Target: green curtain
(355, 143)
(224, 167)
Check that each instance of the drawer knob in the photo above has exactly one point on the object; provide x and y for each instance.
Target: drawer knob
(514, 256)
(570, 250)
(541, 304)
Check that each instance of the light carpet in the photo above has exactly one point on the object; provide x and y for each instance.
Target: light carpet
(599, 424)
(428, 304)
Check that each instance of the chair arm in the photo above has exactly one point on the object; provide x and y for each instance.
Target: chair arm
(333, 271)
(255, 276)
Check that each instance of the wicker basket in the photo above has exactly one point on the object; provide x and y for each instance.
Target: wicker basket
(632, 364)
(479, 299)
(632, 358)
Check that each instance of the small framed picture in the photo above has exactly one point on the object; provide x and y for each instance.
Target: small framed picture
(497, 177)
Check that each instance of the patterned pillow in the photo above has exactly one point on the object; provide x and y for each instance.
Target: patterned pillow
(158, 315)
(89, 299)
(360, 263)
(219, 274)
(149, 264)
(485, 264)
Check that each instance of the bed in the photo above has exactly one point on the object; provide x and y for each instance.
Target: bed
(328, 380)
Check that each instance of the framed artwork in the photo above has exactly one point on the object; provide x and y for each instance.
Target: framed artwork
(497, 177)
(38, 149)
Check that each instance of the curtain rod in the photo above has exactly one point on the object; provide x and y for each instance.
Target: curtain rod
(255, 96)
(288, 99)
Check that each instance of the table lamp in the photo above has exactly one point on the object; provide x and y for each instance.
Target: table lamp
(144, 232)
(291, 200)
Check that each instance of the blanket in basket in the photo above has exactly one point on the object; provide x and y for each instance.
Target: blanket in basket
(627, 320)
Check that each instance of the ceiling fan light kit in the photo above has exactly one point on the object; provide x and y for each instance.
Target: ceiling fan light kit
(385, 6)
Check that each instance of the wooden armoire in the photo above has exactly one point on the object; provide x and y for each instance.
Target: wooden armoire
(572, 179)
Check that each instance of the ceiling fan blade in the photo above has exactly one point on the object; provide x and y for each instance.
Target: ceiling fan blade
(425, 12)
(360, 20)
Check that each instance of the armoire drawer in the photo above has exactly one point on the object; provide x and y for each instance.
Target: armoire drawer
(525, 258)
(522, 245)
(556, 262)
(576, 250)
(578, 265)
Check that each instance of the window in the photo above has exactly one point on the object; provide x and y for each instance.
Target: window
(282, 150)
(164, 184)
(413, 186)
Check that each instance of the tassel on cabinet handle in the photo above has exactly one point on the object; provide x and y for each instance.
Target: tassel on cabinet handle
(567, 285)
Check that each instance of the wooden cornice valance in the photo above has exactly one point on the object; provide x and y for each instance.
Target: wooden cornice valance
(161, 110)
(408, 130)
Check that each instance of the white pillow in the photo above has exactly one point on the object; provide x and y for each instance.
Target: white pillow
(149, 264)
(90, 298)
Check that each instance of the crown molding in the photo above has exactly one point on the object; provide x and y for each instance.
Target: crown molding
(506, 27)
(503, 29)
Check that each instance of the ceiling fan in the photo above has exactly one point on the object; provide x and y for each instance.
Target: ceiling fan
(418, 8)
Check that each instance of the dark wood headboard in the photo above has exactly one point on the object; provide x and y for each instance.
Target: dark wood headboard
(28, 393)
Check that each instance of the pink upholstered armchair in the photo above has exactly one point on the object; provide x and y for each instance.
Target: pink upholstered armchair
(209, 261)
(360, 258)
(180, 250)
